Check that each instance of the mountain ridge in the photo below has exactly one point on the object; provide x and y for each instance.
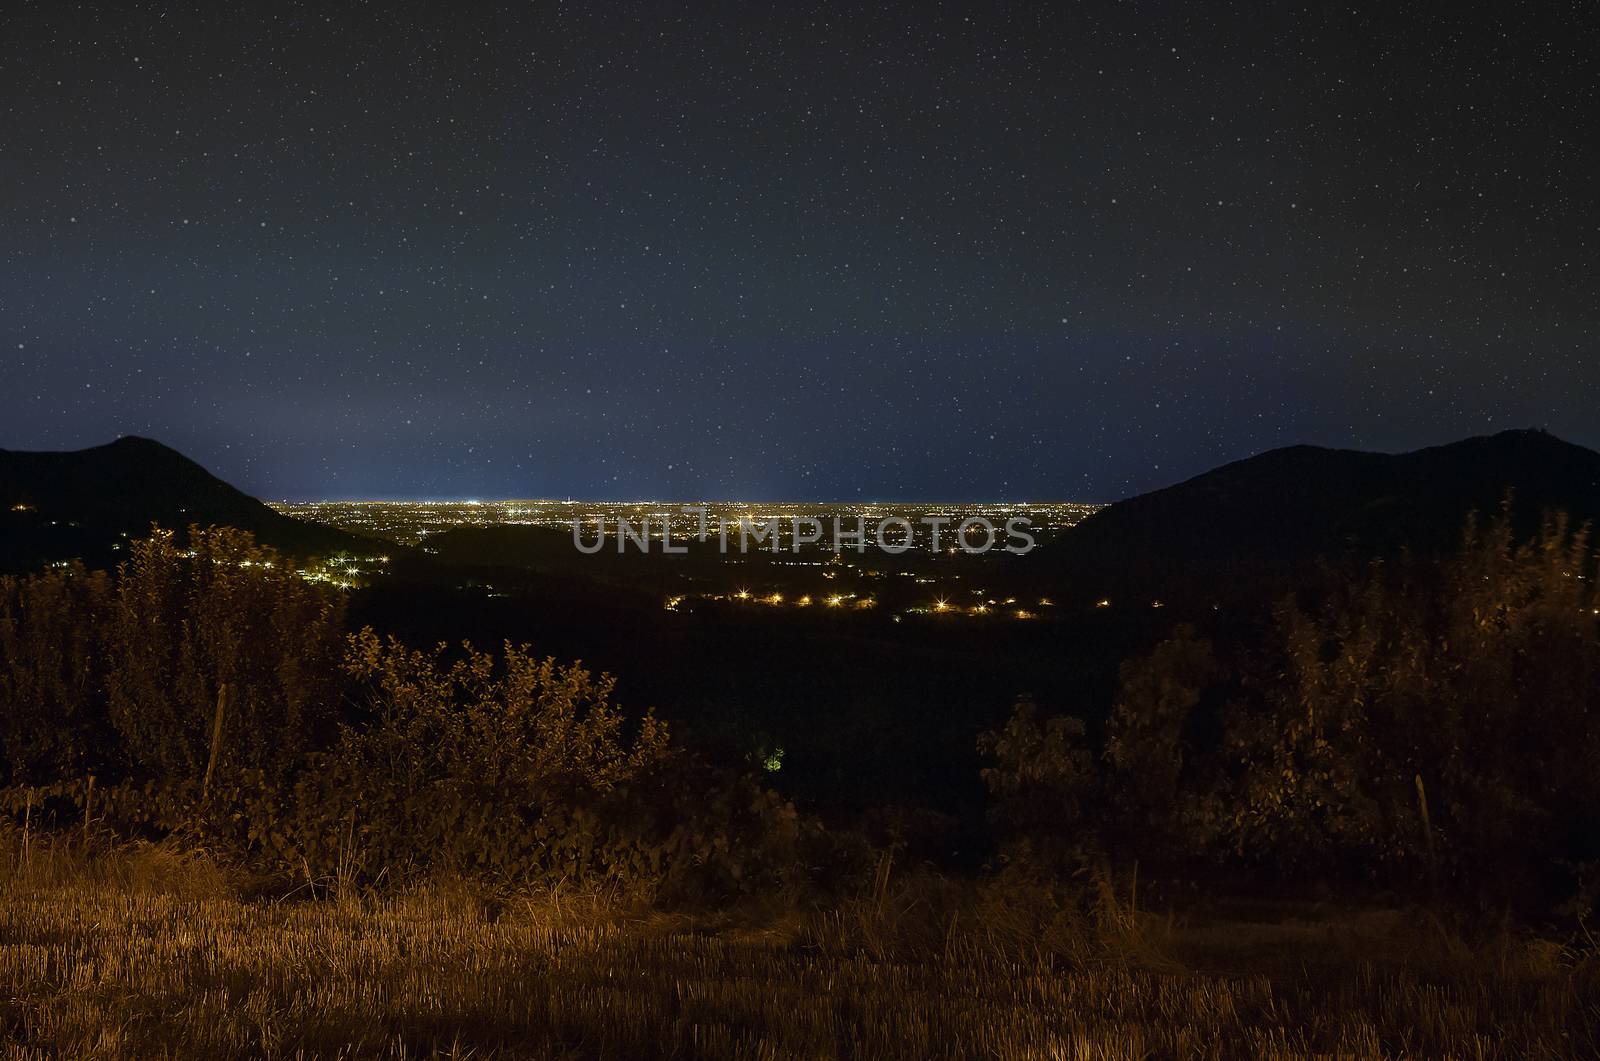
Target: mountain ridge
(59, 504)
(1267, 517)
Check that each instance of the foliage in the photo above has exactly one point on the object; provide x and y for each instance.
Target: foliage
(52, 677)
(1443, 719)
(1149, 744)
(1420, 722)
(1044, 784)
(353, 757)
(224, 611)
(483, 764)
(516, 768)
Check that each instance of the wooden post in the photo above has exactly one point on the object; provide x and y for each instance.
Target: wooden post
(27, 822)
(216, 738)
(1427, 833)
(88, 809)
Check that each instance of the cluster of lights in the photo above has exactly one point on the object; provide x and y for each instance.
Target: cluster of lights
(342, 572)
(1010, 606)
(850, 600)
(777, 599)
(944, 607)
(412, 521)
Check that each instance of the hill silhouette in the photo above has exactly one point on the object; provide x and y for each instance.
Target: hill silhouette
(82, 503)
(1261, 524)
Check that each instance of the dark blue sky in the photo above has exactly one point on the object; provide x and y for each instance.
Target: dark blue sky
(800, 251)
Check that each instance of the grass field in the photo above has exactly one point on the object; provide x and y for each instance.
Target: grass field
(151, 955)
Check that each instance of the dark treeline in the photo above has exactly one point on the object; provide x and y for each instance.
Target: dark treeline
(865, 715)
(1425, 726)
(210, 692)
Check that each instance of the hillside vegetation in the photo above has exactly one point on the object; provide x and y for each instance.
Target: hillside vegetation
(1363, 824)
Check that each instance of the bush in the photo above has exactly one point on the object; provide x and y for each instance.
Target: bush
(1045, 787)
(1423, 723)
(510, 766)
(1152, 748)
(53, 629)
(1437, 720)
(504, 767)
(224, 611)
(517, 769)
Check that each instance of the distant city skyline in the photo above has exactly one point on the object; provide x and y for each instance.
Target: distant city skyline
(670, 501)
(409, 522)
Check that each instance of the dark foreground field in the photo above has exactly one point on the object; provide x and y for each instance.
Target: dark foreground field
(148, 955)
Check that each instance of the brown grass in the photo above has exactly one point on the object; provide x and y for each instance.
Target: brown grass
(148, 953)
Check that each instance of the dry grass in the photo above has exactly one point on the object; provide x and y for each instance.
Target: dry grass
(148, 954)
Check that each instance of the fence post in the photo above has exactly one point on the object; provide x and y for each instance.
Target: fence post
(88, 810)
(1427, 834)
(216, 738)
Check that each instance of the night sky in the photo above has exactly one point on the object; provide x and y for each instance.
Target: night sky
(804, 252)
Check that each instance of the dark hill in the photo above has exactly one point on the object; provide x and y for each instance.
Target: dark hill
(56, 505)
(1259, 525)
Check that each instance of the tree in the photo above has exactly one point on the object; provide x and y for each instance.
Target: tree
(1443, 716)
(52, 674)
(1044, 786)
(1147, 744)
(503, 763)
(224, 611)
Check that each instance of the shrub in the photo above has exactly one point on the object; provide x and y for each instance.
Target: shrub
(1442, 719)
(504, 767)
(1150, 748)
(52, 674)
(1417, 722)
(509, 765)
(224, 611)
(1044, 785)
